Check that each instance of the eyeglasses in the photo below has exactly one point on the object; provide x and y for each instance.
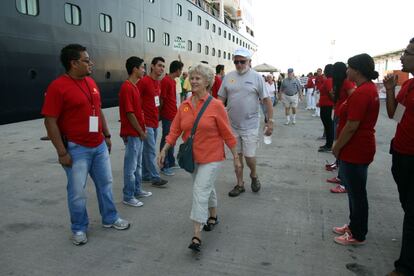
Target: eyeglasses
(87, 61)
(406, 53)
(239, 62)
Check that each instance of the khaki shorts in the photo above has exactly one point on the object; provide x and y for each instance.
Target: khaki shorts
(290, 101)
(247, 141)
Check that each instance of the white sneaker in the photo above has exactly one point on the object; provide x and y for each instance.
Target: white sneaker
(133, 202)
(143, 194)
(294, 122)
(79, 238)
(286, 123)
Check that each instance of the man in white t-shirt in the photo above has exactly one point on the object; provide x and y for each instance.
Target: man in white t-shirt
(243, 89)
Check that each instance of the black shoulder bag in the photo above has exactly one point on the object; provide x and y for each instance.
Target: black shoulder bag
(185, 151)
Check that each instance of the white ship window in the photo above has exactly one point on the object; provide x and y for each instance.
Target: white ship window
(179, 10)
(225, 34)
(228, 55)
(207, 24)
(72, 14)
(240, 42)
(130, 29)
(214, 28)
(237, 40)
(224, 54)
(198, 20)
(166, 39)
(213, 52)
(29, 7)
(150, 35)
(190, 15)
(151, 1)
(198, 48)
(233, 38)
(189, 45)
(219, 31)
(206, 50)
(105, 23)
(219, 53)
(229, 36)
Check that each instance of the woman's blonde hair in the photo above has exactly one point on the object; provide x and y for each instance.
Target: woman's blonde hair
(205, 71)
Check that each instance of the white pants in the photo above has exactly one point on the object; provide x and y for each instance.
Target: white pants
(310, 100)
(204, 192)
(317, 109)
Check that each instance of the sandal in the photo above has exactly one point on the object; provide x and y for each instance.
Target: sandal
(209, 226)
(194, 245)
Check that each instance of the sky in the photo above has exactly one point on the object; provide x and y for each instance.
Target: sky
(307, 34)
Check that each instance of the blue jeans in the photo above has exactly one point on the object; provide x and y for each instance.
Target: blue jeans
(132, 167)
(354, 177)
(169, 160)
(96, 162)
(149, 163)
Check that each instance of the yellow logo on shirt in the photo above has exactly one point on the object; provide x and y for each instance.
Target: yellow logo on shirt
(232, 81)
(185, 109)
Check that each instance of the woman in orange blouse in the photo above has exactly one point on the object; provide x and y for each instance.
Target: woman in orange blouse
(212, 132)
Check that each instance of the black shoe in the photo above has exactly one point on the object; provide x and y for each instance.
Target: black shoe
(325, 149)
(211, 222)
(236, 191)
(255, 184)
(195, 246)
(160, 183)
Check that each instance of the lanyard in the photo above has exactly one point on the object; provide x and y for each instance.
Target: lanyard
(89, 97)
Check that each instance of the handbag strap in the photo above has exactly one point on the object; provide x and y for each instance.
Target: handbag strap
(193, 130)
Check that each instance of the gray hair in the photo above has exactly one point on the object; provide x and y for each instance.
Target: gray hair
(205, 71)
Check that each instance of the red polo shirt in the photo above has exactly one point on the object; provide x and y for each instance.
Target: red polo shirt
(169, 98)
(319, 81)
(326, 87)
(150, 93)
(343, 94)
(216, 86)
(362, 106)
(404, 137)
(310, 83)
(130, 101)
(72, 102)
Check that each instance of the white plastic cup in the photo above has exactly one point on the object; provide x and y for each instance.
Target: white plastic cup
(266, 139)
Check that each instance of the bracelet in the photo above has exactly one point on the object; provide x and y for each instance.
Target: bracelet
(271, 120)
(108, 136)
(62, 155)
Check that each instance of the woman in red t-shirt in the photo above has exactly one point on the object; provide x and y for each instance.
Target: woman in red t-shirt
(401, 108)
(342, 88)
(355, 146)
(325, 104)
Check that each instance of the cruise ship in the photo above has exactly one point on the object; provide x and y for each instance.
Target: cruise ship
(32, 32)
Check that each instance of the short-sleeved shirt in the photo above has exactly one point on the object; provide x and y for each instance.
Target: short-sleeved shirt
(169, 98)
(150, 93)
(343, 94)
(325, 99)
(216, 86)
(291, 87)
(310, 83)
(212, 132)
(363, 106)
(404, 137)
(130, 101)
(319, 81)
(271, 88)
(243, 93)
(72, 102)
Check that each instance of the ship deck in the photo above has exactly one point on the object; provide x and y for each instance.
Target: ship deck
(285, 229)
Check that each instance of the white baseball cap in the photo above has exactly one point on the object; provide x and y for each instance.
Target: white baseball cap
(243, 52)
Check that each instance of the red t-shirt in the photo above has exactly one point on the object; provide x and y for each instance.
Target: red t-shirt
(310, 83)
(150, 97)
(319, 81)
(404, 136)
(324, 90)
(363, 106)
(343, 94)
(71, 102)
(216, 86)
(130, 101)
(169, 98)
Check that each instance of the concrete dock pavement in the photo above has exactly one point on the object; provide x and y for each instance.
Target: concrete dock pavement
(285, 229)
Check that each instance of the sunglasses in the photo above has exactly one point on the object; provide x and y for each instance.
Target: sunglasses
(239, 62)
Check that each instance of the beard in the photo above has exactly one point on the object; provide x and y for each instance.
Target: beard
(242, 71)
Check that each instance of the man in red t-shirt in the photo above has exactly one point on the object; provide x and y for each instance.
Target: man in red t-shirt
(401, 108)
(132, 132)
(77, 128)
(150, 89)
(168, 109)
(319, 79)
(217, 80)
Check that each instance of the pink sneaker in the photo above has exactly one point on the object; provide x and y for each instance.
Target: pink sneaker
(334, 180)
(338, 190)
(341, 230)
(347, 239)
